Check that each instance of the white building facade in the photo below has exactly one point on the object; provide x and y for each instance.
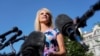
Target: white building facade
(93, 40)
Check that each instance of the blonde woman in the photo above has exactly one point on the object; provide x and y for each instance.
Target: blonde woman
(54, 45)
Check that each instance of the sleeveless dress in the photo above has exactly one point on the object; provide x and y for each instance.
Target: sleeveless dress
(51, 44)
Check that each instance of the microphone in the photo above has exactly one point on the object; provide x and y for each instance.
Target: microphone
(11, 39)
(8, 32)
(21, 38)
(33, 45)
(89, 13)
(2, 36)
(96, 6)
(65, 20)
(66, 26)
(61, 21)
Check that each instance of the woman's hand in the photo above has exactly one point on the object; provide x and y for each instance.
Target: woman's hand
(51, 54)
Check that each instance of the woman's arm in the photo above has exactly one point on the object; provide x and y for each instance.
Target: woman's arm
(62, 51)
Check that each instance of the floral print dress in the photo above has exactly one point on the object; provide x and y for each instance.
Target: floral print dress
(51, 42)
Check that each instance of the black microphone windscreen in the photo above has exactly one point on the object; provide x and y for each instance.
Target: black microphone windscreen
(15, 29)
(62, 20)
(19, 32)
(34, 44)
(96, 6)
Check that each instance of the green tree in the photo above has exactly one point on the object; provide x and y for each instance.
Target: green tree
(75, 49)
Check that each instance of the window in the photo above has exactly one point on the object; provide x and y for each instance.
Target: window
(97, 32)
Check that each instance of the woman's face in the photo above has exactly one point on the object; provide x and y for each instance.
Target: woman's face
(44, 17)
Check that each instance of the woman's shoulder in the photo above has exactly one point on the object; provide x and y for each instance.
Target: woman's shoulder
(56, 29)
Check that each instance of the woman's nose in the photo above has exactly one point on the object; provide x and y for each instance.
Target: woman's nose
(44, 14)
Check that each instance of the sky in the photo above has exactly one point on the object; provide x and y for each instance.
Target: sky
(22, 13)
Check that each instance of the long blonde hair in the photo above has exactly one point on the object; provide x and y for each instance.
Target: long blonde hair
(37, 24)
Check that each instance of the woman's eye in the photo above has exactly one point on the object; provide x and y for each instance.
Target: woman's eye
(42, 13)
(47, 13)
